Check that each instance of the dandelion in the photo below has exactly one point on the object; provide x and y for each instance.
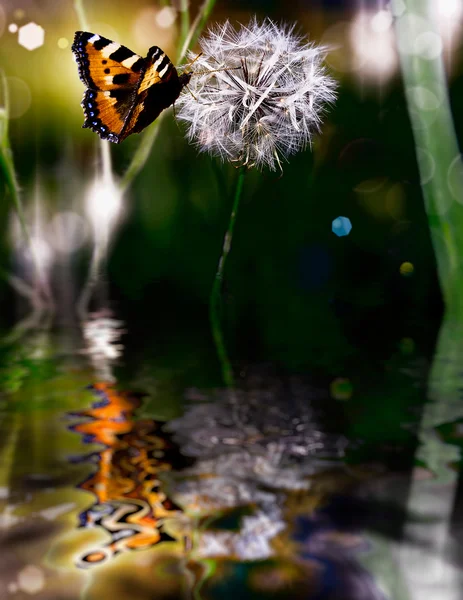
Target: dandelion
(259, 95)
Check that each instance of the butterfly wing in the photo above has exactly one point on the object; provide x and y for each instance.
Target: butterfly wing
(112, 73)
(159, 88)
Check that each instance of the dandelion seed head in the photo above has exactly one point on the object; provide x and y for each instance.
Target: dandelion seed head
(257, 95)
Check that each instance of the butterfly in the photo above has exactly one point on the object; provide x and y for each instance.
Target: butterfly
(125, 92)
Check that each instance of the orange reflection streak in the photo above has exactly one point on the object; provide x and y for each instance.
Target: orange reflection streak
(130, 504)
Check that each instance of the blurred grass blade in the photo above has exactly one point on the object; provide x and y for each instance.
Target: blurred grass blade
(184, 21)
(81, 16)
(196, 29)
(437, 152)
(8, 175)
(441, 177)
(144, 149)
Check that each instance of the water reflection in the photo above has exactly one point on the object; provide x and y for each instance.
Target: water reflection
(251, 493)
(228, 481)
(102, 335)
(130, 504)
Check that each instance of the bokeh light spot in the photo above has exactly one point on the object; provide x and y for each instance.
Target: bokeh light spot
(341, 226)
(449, 8)
(407, 345)
(146, 28)
(423, 98)
(427, 165)
(19, 14)
(380, 198)
(398, 8)
(63, 43)
(341, 388)
(370, 186)
(31, 579)
(165, 18)
(31, 36)
(455, 178)
(407, 269)
(19, 97)
(428, 45)
(395, 201)
(381, 21)
(373, 46)
(410, 27)
(12, 28)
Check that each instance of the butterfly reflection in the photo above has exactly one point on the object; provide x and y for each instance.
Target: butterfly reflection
(129, 502)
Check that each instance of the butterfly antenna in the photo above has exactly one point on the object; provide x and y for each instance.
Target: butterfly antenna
(215, 70)
(188, 88)
(192, 62)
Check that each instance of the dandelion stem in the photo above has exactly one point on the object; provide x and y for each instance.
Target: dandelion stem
(216, 299)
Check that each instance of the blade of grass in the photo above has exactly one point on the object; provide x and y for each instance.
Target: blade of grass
(81, 15)
(441, 175)
(435, 142)
(184, 21)
(144, 149)
(196, 29)
(8, 172)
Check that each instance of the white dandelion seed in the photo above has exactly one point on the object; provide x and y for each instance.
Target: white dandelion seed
(258, 94)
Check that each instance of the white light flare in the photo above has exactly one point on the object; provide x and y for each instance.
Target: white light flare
(103, 207)
(450, 22)
(39, 250)
(373, 44)
(449, 9)
(68, 232)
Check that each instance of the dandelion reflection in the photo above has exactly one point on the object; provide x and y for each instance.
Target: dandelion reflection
(247, 460)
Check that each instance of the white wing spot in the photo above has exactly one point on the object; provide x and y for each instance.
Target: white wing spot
(164, 71)
(158, 62)
(128, 62)
(109, 49)
(94, 39)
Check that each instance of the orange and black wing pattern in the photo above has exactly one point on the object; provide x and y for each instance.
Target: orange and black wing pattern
(125, 92)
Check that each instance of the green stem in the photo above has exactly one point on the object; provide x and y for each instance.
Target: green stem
(8, 174)
(184, 21)
(215, 300)
(196, 29)
(144, 149)
(141, 154)
(438, 155)
(441, 175)
(81, 16)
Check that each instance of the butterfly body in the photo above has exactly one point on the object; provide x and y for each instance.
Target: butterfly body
(125, 92)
